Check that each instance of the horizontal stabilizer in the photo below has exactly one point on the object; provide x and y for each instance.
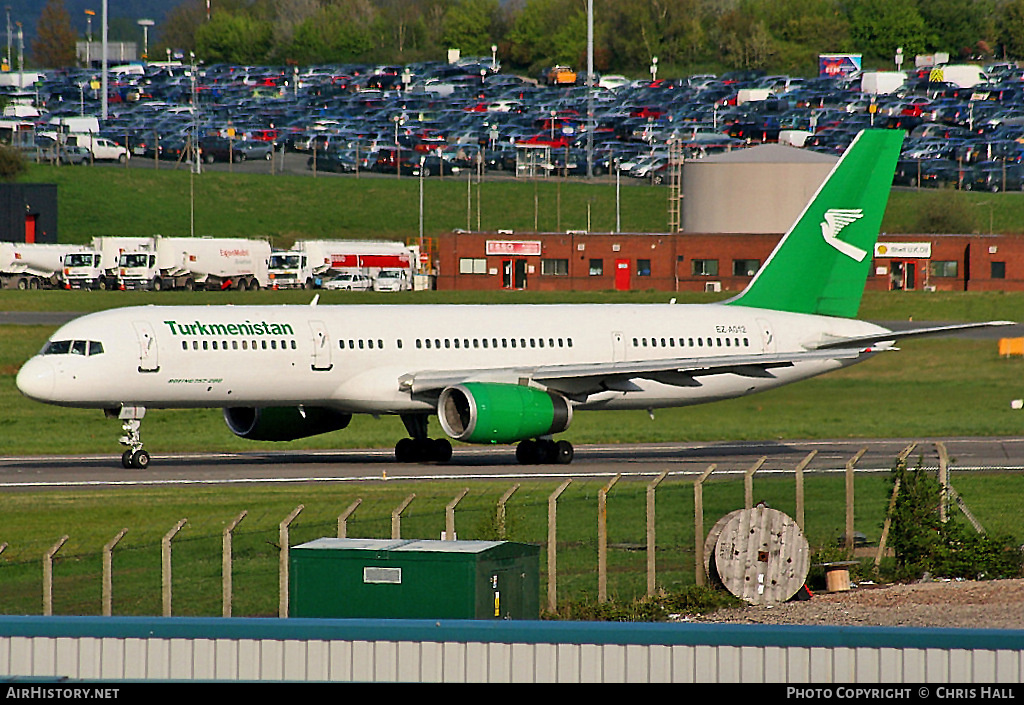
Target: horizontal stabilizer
(882, 336)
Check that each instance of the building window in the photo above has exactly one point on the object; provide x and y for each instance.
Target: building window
(943, 268)
(554, 267)
(596, 267)
(745, 267)
(998, 270)
(471, 265)
(643, 267)
(704, 267)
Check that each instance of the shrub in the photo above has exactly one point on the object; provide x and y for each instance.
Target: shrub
(12, 163)
(922, 543)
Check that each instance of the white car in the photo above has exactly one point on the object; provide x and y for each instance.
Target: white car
(350, 282)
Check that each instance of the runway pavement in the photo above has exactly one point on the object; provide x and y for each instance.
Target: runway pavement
(468, 463)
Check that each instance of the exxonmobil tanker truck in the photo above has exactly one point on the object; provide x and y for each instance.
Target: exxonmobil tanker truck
(32, 265)
(195, 263)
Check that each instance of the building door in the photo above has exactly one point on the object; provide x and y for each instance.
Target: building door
(902, 276)
(513, 273)
(622, 275)
(30, 227)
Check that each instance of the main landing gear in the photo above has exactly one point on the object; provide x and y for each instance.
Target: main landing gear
(544, 451)
(420, 448)
(131, 419)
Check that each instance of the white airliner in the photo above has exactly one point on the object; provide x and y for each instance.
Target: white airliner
(492, 374)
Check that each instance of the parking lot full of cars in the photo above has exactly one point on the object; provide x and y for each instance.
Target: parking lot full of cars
(437, 119)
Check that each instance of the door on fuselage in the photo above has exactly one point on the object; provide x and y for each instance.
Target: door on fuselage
(149, 358)
(321, 347)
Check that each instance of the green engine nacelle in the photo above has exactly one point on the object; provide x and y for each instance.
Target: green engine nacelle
(478, 412)
(283, 423)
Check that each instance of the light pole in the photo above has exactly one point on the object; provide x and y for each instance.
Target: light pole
(7, 56)
(654, 69)
(494, 58)
(103, 62)
(89, 14)
(145, 24)
(21, 55)
(399, 120)
(590, 89)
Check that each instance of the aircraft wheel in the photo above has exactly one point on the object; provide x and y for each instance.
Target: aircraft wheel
(405, 451)
(140, 459)
(528, 452)
(126, 459)
(563, 452)
(441, 450)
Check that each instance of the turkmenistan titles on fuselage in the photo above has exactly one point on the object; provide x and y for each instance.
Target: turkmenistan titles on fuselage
(491, 374)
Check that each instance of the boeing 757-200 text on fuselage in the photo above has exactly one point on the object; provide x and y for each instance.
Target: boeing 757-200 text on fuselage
(491, 373)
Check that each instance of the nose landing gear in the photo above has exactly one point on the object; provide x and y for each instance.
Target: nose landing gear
(131, 419)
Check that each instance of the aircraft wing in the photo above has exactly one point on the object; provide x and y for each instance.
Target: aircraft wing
(578, 381)
(894, 335)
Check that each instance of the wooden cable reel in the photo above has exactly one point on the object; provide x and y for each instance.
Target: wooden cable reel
(759, 555)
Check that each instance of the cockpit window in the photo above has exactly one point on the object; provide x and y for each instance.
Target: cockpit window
(72, 347)
(57, 347)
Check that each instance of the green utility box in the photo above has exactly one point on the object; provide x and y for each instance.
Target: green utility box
(414, 579)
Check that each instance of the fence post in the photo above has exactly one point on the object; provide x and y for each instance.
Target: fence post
(651, 532)
(799, 472)
(943, 479)
(602, 539)
(449, 515)
(698, 524)
(343, 519)
(282, 608)
(225, 565)
(48, 575)
(500, 518)
(165, 553)
(396, 516)
(748, 482)
(848, 543)
(108, 573)
(552, 539)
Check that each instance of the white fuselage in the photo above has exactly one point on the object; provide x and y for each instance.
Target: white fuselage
(355, 358)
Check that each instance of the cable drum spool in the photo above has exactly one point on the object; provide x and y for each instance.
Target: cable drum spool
(760, 555)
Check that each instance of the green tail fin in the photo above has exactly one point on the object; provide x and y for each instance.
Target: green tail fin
(821, 265)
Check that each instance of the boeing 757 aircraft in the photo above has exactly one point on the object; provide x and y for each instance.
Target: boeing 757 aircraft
(490, 373)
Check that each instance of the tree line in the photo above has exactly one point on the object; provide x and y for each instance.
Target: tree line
(687, 36)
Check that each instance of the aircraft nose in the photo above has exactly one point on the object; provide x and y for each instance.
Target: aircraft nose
(36, 379)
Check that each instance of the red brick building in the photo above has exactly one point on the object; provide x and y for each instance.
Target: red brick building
(692, 262)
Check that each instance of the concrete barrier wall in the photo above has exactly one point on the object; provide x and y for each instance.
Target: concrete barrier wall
(99, 649)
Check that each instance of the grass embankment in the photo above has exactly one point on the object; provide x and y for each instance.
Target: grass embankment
(286, 207)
